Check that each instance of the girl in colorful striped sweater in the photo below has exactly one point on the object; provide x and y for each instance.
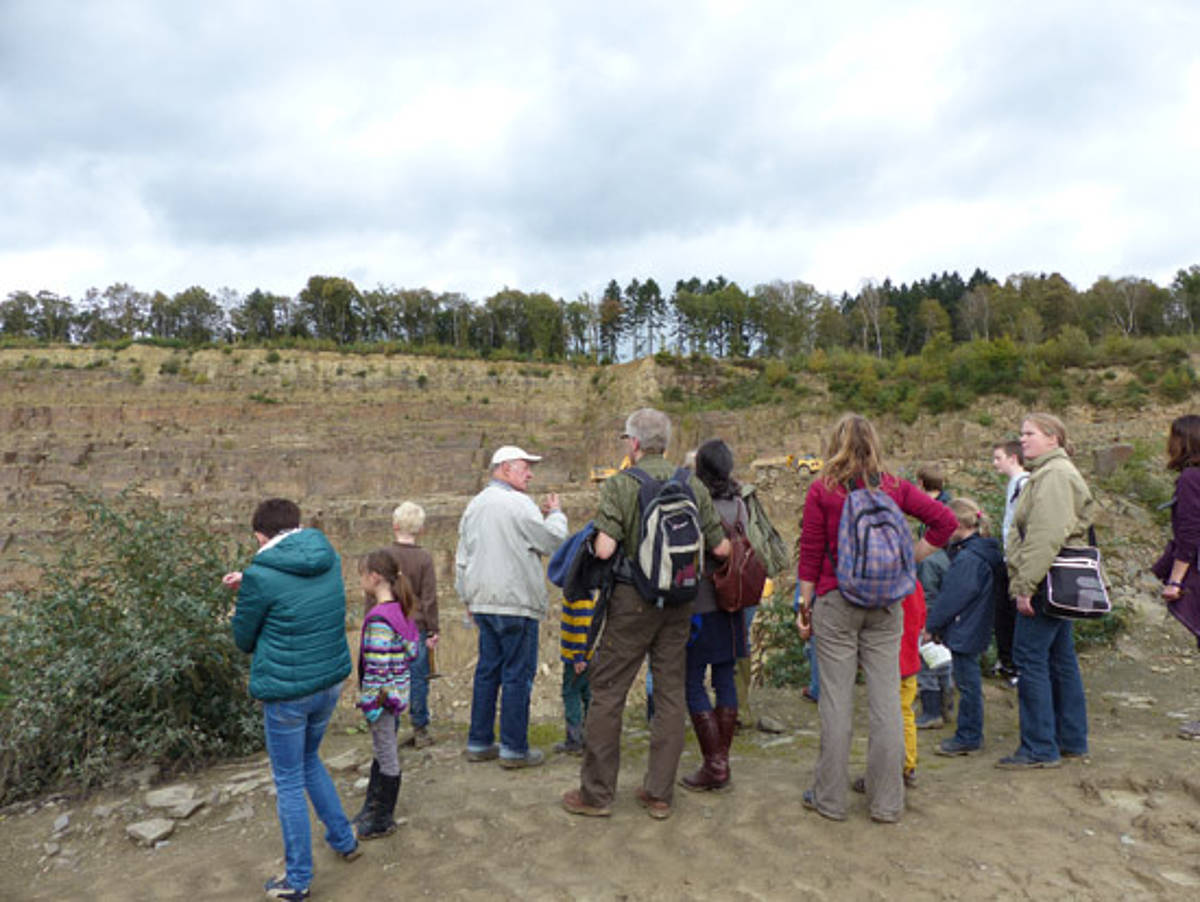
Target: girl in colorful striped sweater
(387, 648)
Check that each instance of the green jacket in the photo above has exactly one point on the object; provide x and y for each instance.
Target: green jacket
(618, 517)
(291, 615)
(1053, 510)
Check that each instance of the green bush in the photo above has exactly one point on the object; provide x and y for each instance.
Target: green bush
(122, 654)
(785, 663)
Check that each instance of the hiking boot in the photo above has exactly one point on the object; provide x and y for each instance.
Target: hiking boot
(419, 739)
(1020, 762)
(859, 785)
(351, 854)
(491, 753)
(910, 778)
(572, 801)
(531, 758)
(279, 888)
(952, 748)
(573, 744)
(656, 808)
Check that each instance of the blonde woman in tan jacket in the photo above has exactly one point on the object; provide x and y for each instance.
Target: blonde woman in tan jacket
(1055, 509)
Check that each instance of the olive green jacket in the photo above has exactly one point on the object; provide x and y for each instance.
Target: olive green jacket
(1054, 509)
(618, 517)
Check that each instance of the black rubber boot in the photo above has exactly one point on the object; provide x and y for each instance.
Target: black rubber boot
(360, 820)
(380, 822)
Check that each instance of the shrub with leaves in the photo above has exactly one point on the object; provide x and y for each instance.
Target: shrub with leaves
(122, 653)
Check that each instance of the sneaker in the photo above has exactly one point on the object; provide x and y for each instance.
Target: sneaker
(1020, 762)
(910, 779)
(809, 800)
(491, 753)
(859, 785)
(279, 888)
(656, 808)
(568, 747)
(572, 801)
(952, 748)
(531, 758)
(807, 695)
(353, 855)
(930, 723)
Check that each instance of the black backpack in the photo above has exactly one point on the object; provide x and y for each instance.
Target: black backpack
(668, 564)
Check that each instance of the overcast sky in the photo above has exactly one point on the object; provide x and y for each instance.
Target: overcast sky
(553, 146)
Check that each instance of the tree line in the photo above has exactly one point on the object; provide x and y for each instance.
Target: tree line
(714, 317)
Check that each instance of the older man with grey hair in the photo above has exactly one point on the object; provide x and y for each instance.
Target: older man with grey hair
(499, 576)
(636, 627)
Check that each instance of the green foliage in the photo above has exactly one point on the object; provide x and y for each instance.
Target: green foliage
(1144, 479)
(170, 367)
(785, 663)
(1103, 630)
(1177, 383)
(122, 654)
(262, 398)
(272, 356)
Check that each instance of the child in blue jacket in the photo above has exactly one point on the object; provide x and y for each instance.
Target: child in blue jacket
(961, 618)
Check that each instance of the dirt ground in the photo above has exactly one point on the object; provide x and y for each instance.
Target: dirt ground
(1122, 823)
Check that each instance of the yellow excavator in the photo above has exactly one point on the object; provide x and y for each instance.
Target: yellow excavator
(599, 474)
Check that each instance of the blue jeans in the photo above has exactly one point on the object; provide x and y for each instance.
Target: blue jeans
(418, 674)
(294, 729)
(967, 677)
(1049, 689)
(508, 646)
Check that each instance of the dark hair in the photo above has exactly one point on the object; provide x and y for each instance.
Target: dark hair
(1183, 442)
(275, 515)
(714, 464)
(385, 565)
(931, 477)
(1011, 448)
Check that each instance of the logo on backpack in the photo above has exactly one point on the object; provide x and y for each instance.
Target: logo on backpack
(668, 565)
(876, 566)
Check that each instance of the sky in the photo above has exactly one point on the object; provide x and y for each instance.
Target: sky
(553, 146)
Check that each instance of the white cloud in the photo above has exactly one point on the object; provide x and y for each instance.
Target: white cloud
(471, 145)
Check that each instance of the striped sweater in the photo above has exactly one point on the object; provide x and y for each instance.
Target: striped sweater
(388, 648)
(573, 632)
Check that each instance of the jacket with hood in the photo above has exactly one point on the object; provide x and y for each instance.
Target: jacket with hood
(291, 616)
(964, 609)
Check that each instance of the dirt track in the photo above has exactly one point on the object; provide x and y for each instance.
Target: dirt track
(1124, 823)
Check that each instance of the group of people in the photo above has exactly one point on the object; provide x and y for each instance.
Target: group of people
(290, 614)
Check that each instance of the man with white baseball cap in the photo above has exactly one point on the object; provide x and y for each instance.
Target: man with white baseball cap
(498, 574)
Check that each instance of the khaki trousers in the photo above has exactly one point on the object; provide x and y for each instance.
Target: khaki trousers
(849, 636)
(632, 630)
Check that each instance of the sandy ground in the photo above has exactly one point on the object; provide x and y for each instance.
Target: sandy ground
(1121, 824)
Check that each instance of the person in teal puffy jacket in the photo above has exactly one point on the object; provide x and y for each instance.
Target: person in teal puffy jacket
(290, 616)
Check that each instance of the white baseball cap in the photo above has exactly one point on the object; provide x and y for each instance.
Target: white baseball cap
(505, 453)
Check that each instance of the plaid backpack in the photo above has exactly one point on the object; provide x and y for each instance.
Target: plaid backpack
(876, 566)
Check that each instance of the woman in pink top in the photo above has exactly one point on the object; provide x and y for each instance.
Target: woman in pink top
(848, 635)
